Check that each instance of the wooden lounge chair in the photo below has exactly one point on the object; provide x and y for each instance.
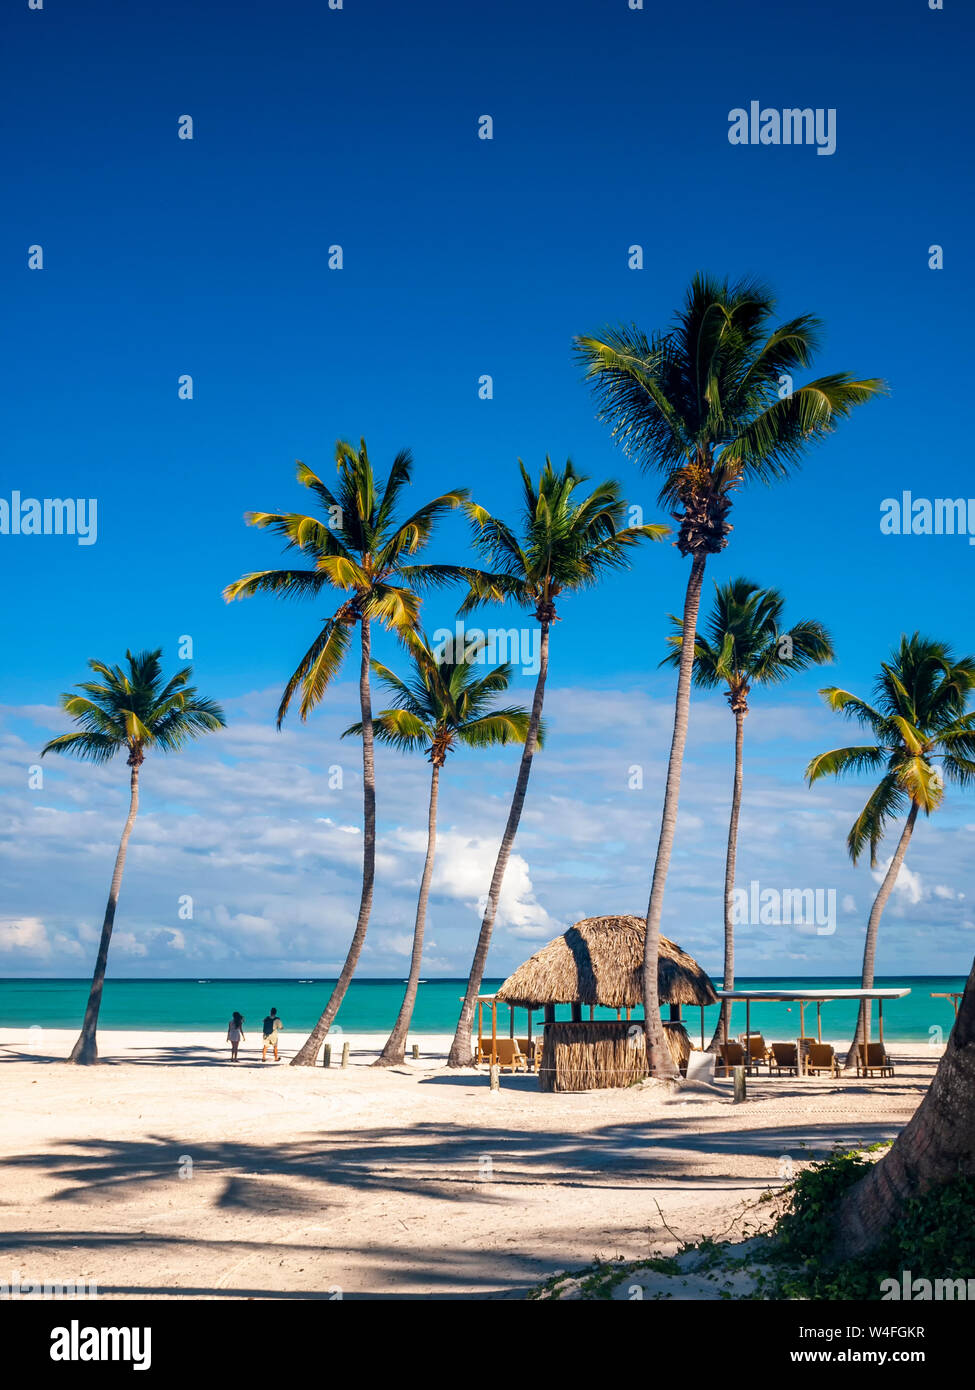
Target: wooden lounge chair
(507, 1053)
(877, 1060)
(783, 1057)
(756, 1049)
(732, 1055)
(528, 1048)
(821, 1057)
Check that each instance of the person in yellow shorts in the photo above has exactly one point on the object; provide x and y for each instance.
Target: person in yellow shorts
(272, 1027)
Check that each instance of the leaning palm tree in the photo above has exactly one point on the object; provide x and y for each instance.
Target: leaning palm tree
(130, 709)
(919, 721)
(444, 703)
(711, 406)
(566, 545)
(361, 549)
(936, 1146)
(746, 645)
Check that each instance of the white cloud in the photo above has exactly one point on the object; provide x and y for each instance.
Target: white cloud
(907, 884)
(26, 934)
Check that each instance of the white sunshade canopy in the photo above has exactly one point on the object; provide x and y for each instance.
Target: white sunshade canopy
(810, 996)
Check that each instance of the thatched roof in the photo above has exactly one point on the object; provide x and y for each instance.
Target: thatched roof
(600, 961)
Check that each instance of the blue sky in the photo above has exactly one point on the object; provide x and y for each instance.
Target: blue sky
(462, 257)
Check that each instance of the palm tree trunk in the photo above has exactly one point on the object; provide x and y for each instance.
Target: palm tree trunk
(731, 861)
(307, 1054)
(937, 1144)
(395, 1050)
(659, 1059)
(85, 1050)
(461, 1054)
(862, 1034)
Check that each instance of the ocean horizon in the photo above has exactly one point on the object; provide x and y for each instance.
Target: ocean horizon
(193, 1005)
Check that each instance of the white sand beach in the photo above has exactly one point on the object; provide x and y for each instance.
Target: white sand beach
(414, 1181)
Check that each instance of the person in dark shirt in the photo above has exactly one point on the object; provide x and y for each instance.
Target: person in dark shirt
(272, 1027)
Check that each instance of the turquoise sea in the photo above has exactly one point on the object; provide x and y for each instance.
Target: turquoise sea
(371, 1005)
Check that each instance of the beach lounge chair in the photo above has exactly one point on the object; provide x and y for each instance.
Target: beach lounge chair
(507, 1053)
(783, 1057)
(528, 1048)
(821, 1057)
(756, 1047)
(732, 1055)
(877, 1060)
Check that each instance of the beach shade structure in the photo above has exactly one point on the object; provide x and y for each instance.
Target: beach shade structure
(598, 963)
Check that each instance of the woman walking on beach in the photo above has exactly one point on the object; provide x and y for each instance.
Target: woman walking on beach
(235, 1034)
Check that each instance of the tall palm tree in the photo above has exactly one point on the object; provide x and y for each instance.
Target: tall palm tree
(936, 1145)
(918, 719)
(445, 702)
(363, 550)
(710, 405)
(746, 645)
(566, 544)
(130, 709)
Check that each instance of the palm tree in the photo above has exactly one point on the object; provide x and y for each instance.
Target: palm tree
(711, 406)
(918, 721)
(444, 703)
(936, 1145)
(362, 550)
(746, 645)
(130, 709)
(565, 545)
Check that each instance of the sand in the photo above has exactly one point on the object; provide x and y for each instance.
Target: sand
(167, 1171)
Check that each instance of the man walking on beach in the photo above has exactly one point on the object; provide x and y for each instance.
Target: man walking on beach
(272, 1027)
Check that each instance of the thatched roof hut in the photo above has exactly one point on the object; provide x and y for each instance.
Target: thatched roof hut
(600, 961)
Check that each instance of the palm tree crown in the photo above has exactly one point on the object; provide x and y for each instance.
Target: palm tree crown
(746, 644)
(710, 404)
(445, 702)
(918, 719)
(133, 709)
(361, 549)
(565, 544)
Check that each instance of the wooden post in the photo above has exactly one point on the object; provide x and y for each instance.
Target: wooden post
(416, 1052)
(511, 1020)
(327, 1055)
(495, 1077)
(702, 1027)
(880, 1021)
(549, 1013)
(739, 1084)
(345, 1054)
(494, 1032)
(576, 1013)
(819, 1020)
(592, 1012)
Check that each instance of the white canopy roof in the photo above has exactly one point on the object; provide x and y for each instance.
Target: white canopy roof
(810, 995)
